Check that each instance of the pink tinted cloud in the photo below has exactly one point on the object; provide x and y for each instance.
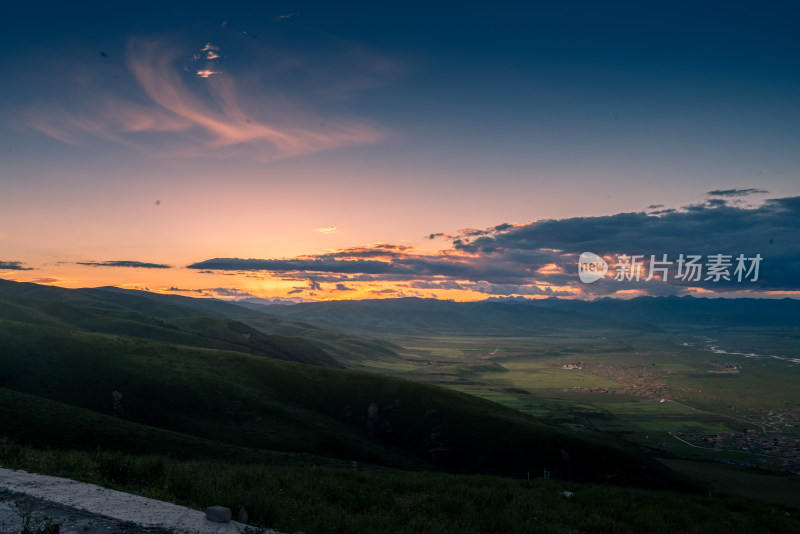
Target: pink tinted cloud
(216, 115)
(108, 118)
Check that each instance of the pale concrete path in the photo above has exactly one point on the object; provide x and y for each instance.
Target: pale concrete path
(125, 507)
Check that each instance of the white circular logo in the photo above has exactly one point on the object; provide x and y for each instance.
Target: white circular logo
(591, 267)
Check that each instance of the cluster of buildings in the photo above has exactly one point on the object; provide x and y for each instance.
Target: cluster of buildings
(773, 449)
(726, 368)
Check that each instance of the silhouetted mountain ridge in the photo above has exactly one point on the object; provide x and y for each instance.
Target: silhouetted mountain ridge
(416, 316)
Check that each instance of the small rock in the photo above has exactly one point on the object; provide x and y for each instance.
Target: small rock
(218, 514)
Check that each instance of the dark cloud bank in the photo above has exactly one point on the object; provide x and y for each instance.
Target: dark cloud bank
(506, 259)
(125, 263)
(13, 266)
(736, 192)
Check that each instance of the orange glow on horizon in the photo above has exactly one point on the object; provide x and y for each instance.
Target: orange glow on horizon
(550, 268)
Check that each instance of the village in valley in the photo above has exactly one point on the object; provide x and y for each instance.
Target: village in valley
(776, 444)
(773, 442)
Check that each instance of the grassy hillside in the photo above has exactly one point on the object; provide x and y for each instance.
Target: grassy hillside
(244, 338)
(111, 298)
(256, 402)
(47, 424)
(170, 317)
(174, 396)
(207, 332)
(203, 392)
(345, 348)
(353, 501)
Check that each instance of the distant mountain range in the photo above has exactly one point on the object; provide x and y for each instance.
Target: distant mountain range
(414, 316)
(687, 312)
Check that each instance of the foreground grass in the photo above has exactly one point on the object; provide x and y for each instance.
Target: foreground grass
(322, 500)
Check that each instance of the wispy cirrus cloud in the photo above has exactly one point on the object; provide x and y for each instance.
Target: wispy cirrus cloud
(209, 113)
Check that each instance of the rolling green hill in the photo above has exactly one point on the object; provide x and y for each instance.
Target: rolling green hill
(182, 376)
(95, 377)
(169, 317)
(208, 332)
(47, 424)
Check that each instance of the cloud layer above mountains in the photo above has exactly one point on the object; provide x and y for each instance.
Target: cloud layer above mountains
(540, 258)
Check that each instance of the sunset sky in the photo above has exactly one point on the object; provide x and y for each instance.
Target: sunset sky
(324, 150)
